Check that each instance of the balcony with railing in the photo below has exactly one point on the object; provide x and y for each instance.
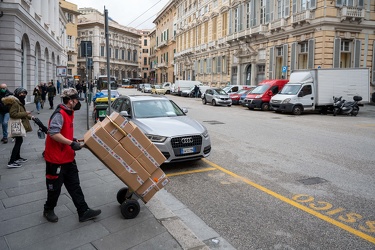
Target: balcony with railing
(162, 44)
(212, 45)
(352, 14)
(162, 65)
(278, 24)
(302, 17)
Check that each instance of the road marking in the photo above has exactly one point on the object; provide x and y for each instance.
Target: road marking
(192, 171)
(295, 204)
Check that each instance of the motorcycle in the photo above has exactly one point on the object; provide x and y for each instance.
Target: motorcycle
(340, 106)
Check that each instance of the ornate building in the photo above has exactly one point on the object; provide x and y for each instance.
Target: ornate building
(123, 46)
(34, 44)
(165, 45)
(71, 15)
(246, 41)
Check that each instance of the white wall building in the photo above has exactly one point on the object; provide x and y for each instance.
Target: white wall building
(32, 42)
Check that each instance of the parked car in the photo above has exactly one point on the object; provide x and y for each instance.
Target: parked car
(236, 96)
(188, 92)
(140, 86)
(260, 97)
(176, 135)
(216, 96)
(146, 88)
(158, 89)
(243, 96)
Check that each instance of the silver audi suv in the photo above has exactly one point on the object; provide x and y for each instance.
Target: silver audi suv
(177, 136)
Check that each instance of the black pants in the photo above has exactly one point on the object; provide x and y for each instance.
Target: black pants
(67, 174)
(16, 149)
(50, 99)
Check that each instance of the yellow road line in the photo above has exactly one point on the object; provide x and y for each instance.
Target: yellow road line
(192, 171)
(295, 204)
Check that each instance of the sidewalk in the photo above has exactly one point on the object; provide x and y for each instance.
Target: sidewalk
(163, 223)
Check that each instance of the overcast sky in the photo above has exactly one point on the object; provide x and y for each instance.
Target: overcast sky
(130, 13)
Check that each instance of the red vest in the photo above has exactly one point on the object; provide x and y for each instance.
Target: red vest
(56, 152)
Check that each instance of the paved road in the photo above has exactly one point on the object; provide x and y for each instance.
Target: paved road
(161, 223)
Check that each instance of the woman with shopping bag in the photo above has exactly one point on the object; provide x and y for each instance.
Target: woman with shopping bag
(18, 124)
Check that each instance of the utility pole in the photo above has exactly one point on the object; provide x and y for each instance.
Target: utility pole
(108, 57)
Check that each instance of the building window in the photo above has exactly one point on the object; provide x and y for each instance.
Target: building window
(134, 55)
(101, 50)
(145, 42)
(236, 17)
(123, 54)
(144, 60)
(129, 55)
(346, 54)
(248, 15)
(70, 58)
(116, 53)
(224, 24)
(302, 55)
(214, 28)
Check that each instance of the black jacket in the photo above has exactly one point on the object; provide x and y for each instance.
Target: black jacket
(4, 108)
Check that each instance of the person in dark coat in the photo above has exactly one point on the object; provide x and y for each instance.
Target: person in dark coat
(43, 87)
(4, 111)
(17, 110)
(51, 90)
(37, 97)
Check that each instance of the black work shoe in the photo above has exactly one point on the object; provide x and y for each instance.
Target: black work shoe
(89, 214)
(50, 215)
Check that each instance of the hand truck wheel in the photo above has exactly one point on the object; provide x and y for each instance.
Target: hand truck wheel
(130, 208)
(123, 194)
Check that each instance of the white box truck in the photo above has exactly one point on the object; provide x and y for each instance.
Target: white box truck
(313, 90)
(181, 85)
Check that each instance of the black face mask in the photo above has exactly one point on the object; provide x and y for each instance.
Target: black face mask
(22, 99)
(77, 106)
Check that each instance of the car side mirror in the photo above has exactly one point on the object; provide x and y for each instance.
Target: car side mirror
(185, 110)
(124, 113)
(270, 93)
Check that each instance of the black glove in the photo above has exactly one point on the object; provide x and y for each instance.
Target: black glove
(75, 146)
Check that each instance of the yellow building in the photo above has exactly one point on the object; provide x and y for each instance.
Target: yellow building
(71, 13)
(165, 44)
(244, 42)
(144, 54)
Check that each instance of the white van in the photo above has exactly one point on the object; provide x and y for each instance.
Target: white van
(167, 86)
(235, 88)
(181, 85)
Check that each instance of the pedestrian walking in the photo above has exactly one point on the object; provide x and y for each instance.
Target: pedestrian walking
(59, 154)
(51, 91)
(17, 110)
(58, 86)
(79, 88)
(4, 112)
(43, 87)
(196, 91)
(37, 98)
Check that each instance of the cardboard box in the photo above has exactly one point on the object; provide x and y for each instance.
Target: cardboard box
(126, 167)
(99, 141)
(151, 158)
(147, 190)
(135, 142)
(125, 125)
(160, 178)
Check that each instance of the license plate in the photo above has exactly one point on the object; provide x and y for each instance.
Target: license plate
(102, 113)
(187, 150)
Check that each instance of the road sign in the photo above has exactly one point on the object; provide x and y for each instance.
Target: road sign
(61, 71)
(86, 49)
(284, 69)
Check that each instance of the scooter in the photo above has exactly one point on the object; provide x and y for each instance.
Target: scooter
(340, 106)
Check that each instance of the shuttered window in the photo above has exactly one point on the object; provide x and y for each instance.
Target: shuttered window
(357, 53)
(311, 52)
(336, 53)
(293, 56)
(270, 67)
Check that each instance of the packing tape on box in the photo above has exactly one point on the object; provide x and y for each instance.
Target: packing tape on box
(117, 126)
(121, 126)
(134, 141)
(152, 186)
(116, 156)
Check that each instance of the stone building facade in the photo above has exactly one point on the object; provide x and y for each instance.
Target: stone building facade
(124, 46)
(165, 44)
(144, 56)
(71, 13)
(246, 41)
(32, 42)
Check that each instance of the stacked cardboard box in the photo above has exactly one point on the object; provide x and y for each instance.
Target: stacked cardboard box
(129, 154)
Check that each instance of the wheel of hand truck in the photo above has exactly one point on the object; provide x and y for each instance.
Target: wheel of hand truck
(123, 194)
(130, 209)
